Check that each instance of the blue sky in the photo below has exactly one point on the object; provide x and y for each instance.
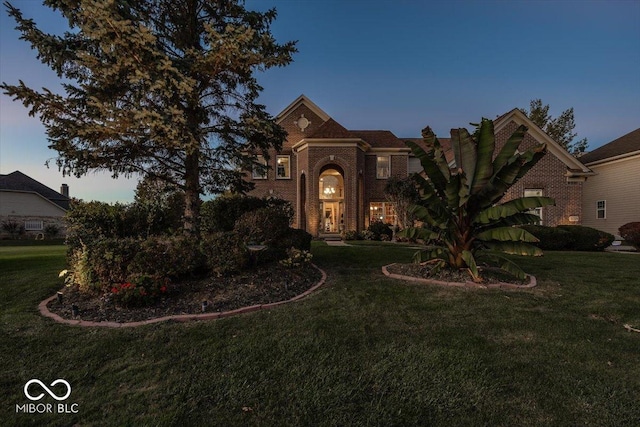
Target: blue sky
(396, 65)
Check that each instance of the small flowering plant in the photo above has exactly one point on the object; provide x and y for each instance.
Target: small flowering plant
(140, 291)
(297, 258)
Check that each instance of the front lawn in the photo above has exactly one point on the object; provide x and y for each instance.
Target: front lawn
(364, 350)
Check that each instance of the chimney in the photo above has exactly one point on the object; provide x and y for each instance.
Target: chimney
(64, 190)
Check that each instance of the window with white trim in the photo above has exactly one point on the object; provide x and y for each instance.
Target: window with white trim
(283, 167)
(534, 192)
(33, 225)
(258, 172)
(383, 167)
(601, 209)
(382, 211)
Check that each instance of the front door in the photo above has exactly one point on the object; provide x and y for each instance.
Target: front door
(331, 192)
(332, 217)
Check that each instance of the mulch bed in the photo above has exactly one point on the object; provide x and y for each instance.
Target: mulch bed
(262, 285)
(489, 275)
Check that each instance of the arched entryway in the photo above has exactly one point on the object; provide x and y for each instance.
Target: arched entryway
(331, 192)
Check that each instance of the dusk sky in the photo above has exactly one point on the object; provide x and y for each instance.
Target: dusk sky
(396, 65)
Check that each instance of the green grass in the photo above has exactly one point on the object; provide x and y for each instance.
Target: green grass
(365, 350)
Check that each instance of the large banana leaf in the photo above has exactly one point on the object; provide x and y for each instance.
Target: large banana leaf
(509, 148)
(430, 167)
(519, 218)
(453, 191)
(486, 147)
(507, 234)
(510, 208)
(437, 153)
(430, 254)
(514, 248)
(464, 151)
(468, 258)
(505, 263)
(428, 216)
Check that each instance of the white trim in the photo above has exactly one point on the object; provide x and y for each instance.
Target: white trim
(288, 157)
(333, 143)
(616, 159)
(603, 209)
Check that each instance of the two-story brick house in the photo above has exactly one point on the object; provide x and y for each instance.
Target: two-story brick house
(335, 177)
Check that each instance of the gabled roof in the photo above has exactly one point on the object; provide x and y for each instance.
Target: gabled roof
(626, 145)
(17, 181)
(575, 166)
(302, 99)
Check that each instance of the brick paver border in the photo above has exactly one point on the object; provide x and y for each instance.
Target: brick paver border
(468, 284)
(42, 307)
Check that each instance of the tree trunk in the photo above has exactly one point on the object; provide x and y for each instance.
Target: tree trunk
(192, 196)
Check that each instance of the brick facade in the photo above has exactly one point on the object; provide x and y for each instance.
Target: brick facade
(316, 143)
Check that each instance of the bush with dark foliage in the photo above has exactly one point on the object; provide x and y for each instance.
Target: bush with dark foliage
(630, 232)
(587, 238)
(551, 238)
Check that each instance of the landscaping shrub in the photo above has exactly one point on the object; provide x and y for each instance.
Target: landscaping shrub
(13, 228)
(222, 213)
(224, 252)
(264, 226)
(141, 291)
(51, 231)
(351, 235)
(587, 238)
(296, 258)
(90, 221)
(171, 257)
(108, 262)
(630, 232)
(551, 238)
(380, 230)
(295, 238)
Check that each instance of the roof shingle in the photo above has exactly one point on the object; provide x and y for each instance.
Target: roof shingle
(625, 144)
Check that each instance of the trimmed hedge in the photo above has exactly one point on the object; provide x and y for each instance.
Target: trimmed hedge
(587, 238)
(570, 238)
(106, 262)
(551, 238)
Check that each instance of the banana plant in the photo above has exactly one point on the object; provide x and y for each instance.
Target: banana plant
(461, 210)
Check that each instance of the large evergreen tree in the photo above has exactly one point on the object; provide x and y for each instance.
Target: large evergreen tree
(160, 88)
(559, 128)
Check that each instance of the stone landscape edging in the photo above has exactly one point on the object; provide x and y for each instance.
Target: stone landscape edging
(44, 310)
(468, 284)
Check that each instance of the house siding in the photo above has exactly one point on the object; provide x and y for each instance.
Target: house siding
(20, 207)
(618, 183)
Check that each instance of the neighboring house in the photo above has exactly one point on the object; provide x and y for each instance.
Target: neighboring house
(335, 177)
(31, 204)
(612, 197)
